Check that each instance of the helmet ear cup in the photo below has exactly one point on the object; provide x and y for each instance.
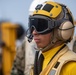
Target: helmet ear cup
(65, 31)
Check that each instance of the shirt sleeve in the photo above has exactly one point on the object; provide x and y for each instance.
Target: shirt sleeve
(69, 69)
(19, 62)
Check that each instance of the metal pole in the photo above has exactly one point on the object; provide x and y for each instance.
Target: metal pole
(1, 44)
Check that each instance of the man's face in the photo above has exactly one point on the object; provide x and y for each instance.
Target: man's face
(42, 40)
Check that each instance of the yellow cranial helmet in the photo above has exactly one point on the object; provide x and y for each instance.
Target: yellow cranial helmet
(50, 9)
(51, 15)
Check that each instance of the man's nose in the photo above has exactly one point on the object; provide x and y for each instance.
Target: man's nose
(34, 32)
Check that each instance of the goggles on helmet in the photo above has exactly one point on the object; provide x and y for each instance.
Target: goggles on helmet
(41, 24)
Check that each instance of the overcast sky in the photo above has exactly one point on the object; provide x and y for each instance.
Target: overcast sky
(17, 10)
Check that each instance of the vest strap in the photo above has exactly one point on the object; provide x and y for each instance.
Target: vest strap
(54, 60)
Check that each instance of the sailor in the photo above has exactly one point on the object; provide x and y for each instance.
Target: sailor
(52, 27)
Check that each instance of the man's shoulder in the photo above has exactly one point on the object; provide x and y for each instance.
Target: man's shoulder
(68, 56)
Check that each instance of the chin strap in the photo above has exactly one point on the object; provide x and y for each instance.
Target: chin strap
(49, 45)
(52, 42)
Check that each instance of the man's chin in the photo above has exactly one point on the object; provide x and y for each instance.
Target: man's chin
(39, 46)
